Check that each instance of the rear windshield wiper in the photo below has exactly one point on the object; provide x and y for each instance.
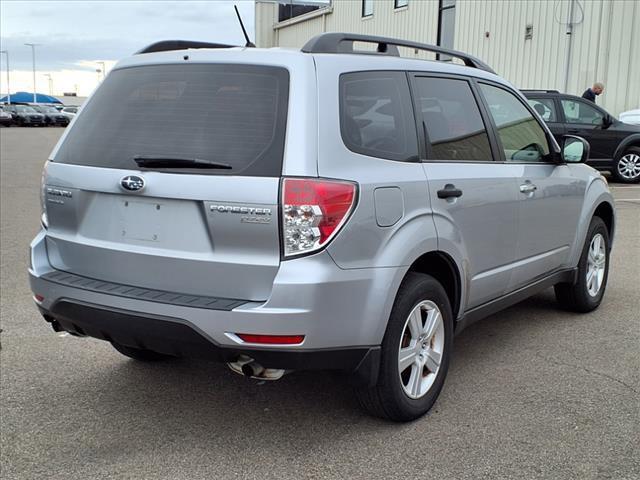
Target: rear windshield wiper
(158, 161)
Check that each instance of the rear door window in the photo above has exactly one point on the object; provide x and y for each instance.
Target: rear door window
(452, 120)
(545, 107)
(376, 116)
(231, 114)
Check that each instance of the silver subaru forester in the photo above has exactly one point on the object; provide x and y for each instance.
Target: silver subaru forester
(330, 208)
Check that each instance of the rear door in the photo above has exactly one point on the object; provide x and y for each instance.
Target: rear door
(169, 180)
(550, 196)
(474, 198)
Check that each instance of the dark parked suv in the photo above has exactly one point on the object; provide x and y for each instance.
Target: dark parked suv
(615, 146)
(52, 117)
(25, 116)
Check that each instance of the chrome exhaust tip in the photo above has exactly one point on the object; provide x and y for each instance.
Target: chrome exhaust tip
(248, 367)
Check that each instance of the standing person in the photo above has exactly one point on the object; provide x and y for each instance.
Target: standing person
(591, 93)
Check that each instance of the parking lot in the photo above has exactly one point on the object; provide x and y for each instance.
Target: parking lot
(532, 392)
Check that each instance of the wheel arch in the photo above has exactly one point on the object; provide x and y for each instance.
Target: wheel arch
(605, 211)
(632, 140)
(598, 201)
(443, 268)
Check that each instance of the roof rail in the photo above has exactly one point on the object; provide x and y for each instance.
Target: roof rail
(168, 45)
(343, 43)
(541, 90)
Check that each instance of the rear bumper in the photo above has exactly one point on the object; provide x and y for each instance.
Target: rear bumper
(174, 336)
(341, 313)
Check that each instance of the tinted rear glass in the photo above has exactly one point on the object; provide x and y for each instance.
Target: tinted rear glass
(376, 116)
(233, 114)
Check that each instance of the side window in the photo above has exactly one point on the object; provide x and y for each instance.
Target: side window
(367, 8)
(376, 116)
(452, 120)
(545, 108)
(576, 111)
(521, 136)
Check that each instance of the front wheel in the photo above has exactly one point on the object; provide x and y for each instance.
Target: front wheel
(415, 352)
(593, 271)
(627, 167)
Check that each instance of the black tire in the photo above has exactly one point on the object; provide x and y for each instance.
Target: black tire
(388, 399)
(140, 354)
(617, 164)
(576, 297)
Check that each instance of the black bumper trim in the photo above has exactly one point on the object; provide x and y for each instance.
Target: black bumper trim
(174, 336)
(137, 293)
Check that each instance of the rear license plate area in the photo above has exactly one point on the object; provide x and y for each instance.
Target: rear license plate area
(140, 220)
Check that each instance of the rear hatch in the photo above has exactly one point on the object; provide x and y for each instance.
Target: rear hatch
(169, 180)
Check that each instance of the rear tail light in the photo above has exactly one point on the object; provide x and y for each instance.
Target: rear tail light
(43, 197)
(313, 212)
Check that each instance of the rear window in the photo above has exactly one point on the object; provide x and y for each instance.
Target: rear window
(232, 114)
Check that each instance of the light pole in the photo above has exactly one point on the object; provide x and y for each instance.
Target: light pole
(48, 75)
(33, 58)
(6, 52)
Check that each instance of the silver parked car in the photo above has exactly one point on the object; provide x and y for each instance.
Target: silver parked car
(318, 209)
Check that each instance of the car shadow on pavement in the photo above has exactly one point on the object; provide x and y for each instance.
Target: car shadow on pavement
(202, 404)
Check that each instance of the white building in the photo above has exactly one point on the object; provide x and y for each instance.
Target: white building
(537, 44)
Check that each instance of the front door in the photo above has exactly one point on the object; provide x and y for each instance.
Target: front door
(583, 119)
(550, 197)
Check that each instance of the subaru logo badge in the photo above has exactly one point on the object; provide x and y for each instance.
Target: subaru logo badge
(132, 183)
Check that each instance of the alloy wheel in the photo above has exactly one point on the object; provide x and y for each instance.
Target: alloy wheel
(629, 166)
(596, 263)
(421, 348)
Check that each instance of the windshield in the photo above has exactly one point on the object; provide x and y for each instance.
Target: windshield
(24, 109)
(231, 114)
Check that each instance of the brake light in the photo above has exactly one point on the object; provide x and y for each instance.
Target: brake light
(313, 212)
(271, 339)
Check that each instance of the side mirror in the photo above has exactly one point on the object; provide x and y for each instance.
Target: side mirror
(574, 149)
(607, 121)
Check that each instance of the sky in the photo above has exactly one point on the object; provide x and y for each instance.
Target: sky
(75, 35)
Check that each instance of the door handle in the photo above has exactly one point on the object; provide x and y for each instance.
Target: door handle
(573, 130)
(449, 191)
(528, 187)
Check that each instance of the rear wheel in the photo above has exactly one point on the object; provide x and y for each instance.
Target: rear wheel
(593, 270)
(140, 354)
(415, 352)
(627, 167)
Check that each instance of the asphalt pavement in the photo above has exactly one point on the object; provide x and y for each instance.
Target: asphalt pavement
(532, 392)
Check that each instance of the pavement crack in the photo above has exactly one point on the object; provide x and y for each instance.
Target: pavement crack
(588, 370)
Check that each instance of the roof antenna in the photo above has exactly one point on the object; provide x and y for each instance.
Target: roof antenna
(249, 43)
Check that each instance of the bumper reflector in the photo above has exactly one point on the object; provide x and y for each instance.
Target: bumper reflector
(38, 298)
(271, 339)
